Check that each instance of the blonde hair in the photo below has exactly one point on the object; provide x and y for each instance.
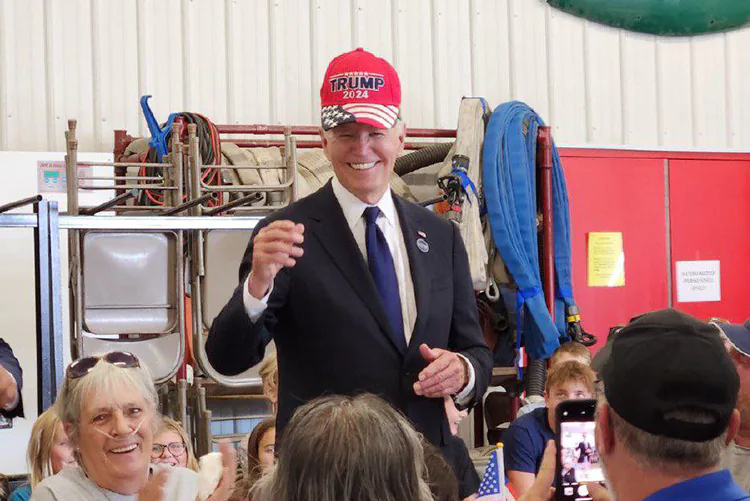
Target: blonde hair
(44, 434)
(572, 348)
(169, 424)
(571, 371)
(269, 371)
(105, 379)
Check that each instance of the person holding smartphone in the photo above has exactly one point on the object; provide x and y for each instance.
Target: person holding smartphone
(668, 411)
(526, 437)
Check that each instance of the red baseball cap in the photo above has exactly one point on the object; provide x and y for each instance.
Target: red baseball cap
(360, 87)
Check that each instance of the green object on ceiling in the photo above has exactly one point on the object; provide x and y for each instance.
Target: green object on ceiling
(662, 17)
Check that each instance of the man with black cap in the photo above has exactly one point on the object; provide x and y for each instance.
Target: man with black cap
(737, 455)
(361, 290)
(668, 411)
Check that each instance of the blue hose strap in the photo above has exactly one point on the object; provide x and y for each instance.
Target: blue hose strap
(466, 181)
(522, 296)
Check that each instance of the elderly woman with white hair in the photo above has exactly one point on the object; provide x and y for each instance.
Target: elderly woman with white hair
(341, 448)
(109, 407)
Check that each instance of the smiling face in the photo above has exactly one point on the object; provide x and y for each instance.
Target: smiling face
(61, 452)
(363, 157)
(115, 439)
(167, 456)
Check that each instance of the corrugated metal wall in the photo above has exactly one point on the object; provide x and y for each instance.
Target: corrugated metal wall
(261, 61)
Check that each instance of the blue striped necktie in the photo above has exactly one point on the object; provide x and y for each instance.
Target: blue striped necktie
(383, 272)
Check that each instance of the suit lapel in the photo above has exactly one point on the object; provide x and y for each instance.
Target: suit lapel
(420, 273)
(332, 231)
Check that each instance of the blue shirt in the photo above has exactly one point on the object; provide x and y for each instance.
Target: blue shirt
(524, 441)
(717, 486)
(23, 493)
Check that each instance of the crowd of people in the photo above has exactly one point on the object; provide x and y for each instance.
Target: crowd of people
(673, 399)
(370, 303)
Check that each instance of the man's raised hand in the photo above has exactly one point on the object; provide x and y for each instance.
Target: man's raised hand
(276, 246)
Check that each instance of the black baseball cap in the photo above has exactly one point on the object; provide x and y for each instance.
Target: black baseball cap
(665, 361)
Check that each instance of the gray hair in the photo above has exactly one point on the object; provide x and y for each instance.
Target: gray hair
(666, 454)
(106, 379)
(347, 449)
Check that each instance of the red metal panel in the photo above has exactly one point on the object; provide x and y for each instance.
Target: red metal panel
(672, 155)
(626, 195)
(710, 219)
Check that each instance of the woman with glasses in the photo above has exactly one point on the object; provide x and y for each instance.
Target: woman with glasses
(172, 446)
(109, 408)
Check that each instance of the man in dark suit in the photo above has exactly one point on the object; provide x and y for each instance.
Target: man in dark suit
(361, 290)
(584, 450)
(11, 382)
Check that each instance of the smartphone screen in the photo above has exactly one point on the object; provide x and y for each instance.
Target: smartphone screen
(578, 459)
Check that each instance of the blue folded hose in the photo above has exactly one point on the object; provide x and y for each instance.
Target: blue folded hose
(509, 175)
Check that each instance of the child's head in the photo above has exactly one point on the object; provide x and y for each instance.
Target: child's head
(261, 448)
(567, 381)
(570, 351)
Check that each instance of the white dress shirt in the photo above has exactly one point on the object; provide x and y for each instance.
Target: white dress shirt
(388, 222)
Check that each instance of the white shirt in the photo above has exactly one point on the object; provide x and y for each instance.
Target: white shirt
(72, 484)
(388, 222)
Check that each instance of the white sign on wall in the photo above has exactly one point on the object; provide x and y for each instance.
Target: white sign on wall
(698, 281)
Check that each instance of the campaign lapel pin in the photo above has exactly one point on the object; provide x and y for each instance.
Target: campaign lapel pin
(422, 245)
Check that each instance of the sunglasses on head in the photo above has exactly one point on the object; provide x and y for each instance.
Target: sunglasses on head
(83, 366)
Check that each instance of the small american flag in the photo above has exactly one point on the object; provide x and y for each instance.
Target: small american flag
(492, 487)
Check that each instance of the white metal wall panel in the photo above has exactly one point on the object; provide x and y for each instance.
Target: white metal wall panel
(206, 78)
(675, 95)
(115, 82)
(640, 114)
(261, 61)
(414, 57)
(372, 26)
(567, 83)
(159, 62)
(24, 115)
(738, 96)
(248, 66)
(451, 59)
(72, 73)
(709, 79)
(529, 62)
(603, 84)
(490, 29)
(291, 96)
(331, 35)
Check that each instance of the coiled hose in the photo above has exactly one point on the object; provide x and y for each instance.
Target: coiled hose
(536, 376)
(422, 158)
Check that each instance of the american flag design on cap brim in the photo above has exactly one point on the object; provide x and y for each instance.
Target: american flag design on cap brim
(381, 116)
